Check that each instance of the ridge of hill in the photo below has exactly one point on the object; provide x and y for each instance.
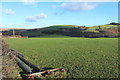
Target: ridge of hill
(54, 30)
(6, 29)
(108, 30)
(64, 26)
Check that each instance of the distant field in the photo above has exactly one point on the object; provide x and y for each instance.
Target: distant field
(81, 57)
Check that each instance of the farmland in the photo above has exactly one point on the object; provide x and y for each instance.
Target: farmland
(81, 57)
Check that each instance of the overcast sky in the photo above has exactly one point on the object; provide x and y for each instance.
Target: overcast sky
(42, 14)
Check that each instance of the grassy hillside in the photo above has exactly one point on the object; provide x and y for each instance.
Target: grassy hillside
(109, 30)
(51, 30)
(81, 57)
(56, 27)
(94, 28)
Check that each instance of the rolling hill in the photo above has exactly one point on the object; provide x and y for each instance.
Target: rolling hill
(95, 28)
(108, 30)
(64, 30)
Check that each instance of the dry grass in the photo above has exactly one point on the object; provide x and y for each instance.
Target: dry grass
(9, 67)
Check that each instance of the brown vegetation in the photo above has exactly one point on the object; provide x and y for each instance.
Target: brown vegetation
(9, 67)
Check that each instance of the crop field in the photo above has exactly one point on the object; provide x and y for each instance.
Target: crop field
(81, 57)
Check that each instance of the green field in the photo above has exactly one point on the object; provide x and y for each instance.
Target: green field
(81, 57)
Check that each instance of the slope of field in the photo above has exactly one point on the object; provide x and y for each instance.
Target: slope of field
(109, 30)
(93, 28)
(51, 30)
(81, 57)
